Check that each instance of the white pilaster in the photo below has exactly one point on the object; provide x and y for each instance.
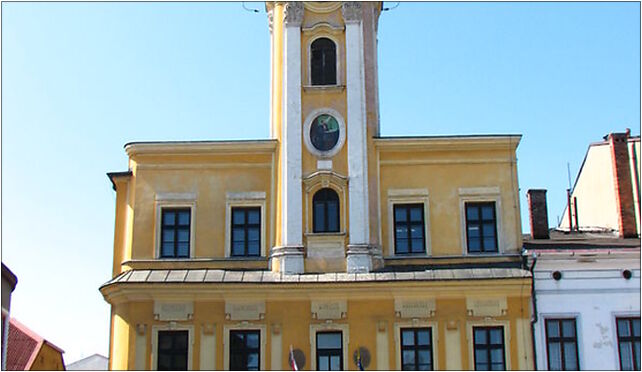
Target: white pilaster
(292, 210)
(358, 251)
(290, 254)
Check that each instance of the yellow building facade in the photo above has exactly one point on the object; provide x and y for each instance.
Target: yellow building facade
(327, 245)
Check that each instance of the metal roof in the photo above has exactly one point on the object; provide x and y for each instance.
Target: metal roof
(265, 277)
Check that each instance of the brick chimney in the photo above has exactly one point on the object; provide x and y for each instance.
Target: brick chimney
(623, 187)
(538, 213)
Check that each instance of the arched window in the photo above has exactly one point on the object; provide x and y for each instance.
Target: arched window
(323, 62)
(325, 211)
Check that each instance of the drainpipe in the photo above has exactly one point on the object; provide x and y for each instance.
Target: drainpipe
(534, 318)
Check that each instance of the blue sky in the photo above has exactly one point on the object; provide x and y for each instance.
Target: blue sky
(79, 80)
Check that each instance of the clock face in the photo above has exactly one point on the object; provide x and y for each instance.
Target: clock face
(324, 132)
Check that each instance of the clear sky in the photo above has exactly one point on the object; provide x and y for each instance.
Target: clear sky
(79, 80)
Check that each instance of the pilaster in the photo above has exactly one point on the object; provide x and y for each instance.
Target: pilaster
(359, 258)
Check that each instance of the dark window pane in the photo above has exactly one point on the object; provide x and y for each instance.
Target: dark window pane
(489, 244)
(424, 357)
(182, 249)
(238, 216)
(415, 214)
(253, 234)
(335, 363)
(324, 363)
(183, 236)
(481, 356)
(480, 336)
(168, 218)
(496, 355)
(417, 231)
(473, 231)
(423, 337)
(487, 212)
(626, 356)
(636, 327)
(168, 235)
(553, 329)
(323, 62)
(253, 249)
(328, 340)
(570, 356)
(489, 229)
(400, 214)
(568, 328)
(167, 249)
(417, 245)
(252, 340)
(183, 218)
(409, 356)
(402, 246)
(623, 329)
(238, 248)
(253, 217)
(408, 337)
(554, 356)
(474, 245)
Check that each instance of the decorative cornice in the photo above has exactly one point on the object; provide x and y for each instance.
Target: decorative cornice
(270, 15)
(352, 11)
(293, 14)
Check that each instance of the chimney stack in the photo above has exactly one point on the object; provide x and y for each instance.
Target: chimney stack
(538, 213)
(619, 143)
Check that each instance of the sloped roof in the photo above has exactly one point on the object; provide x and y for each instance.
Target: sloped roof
(95, 362)
(23, 346)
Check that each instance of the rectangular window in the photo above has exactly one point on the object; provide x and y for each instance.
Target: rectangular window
(489, 348)
(175, 232)
(329, 351)
(481, 227)
(245, 351)
(172, 350)
(561, 345)
(246, 232)
(628, 343)
(409, 228)
(416, 349)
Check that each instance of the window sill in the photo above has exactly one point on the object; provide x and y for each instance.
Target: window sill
(320, 234)
(323, 88)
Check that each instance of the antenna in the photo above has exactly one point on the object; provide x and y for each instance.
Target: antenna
(568, 170)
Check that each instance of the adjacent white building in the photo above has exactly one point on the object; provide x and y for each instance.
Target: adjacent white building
(586, 298)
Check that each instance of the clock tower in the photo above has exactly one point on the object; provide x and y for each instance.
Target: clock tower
(325, 114)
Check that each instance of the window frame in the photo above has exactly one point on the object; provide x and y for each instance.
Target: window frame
(337, 52)
(329, 352)
(245, 350)
(246, 226)
(190, 342)
(488, 347)
(481, 194)
(174, 201)
(470, 325)
(416, 347)
(479, 205)
(325, 209)
(328, 327)
(561, 339)
(242, 200)
(408, 196)
(408, 207)
(243, 326)
(176, 227)
(632, 339)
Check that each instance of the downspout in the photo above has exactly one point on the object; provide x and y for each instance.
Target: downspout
(534, 317)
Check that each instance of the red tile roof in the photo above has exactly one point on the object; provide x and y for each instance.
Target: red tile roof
(23, 346)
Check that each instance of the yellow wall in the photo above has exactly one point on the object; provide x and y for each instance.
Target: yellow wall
(287, 309)
(48, 359)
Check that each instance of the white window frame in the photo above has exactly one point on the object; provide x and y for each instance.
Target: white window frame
(244, 199)
(329, 327)
(488, 323)
(244, 326)
(481, 195)
(172, 326)
(174, 200)
(306, 132)
(408, 196)
(337, 58)
(417, 323)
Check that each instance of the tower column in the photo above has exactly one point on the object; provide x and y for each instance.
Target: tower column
(290, 254)
(359, 258)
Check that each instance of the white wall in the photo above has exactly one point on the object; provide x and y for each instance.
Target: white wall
(594, 294)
